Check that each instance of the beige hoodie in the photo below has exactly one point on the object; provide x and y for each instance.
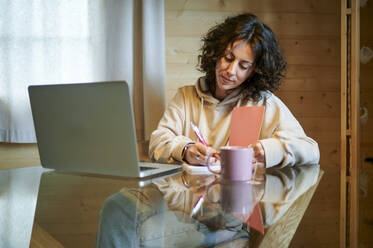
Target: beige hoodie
(282, 137)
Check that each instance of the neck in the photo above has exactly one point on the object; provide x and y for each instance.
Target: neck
(220, 94)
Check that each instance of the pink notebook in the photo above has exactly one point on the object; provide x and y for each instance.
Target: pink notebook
(245, 125)
(245, 129)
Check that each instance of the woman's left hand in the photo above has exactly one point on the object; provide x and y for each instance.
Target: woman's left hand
(259, 155)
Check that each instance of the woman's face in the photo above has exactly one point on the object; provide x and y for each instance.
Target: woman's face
(233, 68)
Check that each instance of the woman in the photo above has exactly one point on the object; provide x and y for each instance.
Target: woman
(243, 67)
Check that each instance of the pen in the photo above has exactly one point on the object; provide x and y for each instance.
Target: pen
(198, 133)
(198, 205)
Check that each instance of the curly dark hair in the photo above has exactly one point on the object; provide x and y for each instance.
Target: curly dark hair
(269, 65)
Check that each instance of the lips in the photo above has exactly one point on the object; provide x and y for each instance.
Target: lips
(226, 80)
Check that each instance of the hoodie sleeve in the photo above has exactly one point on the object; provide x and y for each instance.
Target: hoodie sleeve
(167, 141)
(288, 144)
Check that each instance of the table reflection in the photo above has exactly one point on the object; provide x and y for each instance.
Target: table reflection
(193, 211)
(79, 210)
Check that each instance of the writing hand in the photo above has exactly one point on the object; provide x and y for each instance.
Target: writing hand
(197, 154)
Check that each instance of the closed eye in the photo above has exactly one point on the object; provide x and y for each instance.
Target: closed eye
(244, 67)
(228, 58)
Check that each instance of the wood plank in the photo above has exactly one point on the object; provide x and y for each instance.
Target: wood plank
(366, 139)
(343, 180)
(296, 86)
(183, 45)
(366, 34)
(366, 199)
(366, 133)
(355, 127)
(310, 84)
(329, 124)
(326, 73)
(309, 51)
(255, 6)
(366, 76)
(330, 156)
(321, 73)
(296, 51)
(180, 23)
(288, 84)
(310, 104)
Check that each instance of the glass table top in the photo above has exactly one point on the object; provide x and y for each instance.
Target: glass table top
(182, 210)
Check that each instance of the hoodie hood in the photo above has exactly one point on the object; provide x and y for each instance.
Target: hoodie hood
(202, 91)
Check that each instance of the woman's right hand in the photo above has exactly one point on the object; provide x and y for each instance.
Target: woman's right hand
(197, 154)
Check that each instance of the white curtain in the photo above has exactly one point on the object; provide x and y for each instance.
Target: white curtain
(63, 41)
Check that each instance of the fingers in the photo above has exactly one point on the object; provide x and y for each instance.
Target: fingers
(207, 154)
(208, 150)
(259, 155)
(198, 154)
(259, 161)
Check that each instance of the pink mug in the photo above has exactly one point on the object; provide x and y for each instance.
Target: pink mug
(235, 196)
(236, 163)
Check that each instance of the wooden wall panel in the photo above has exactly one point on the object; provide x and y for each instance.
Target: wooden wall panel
(288, 24)
(323, 104)
(301, 6)
(366, 134)
(309, 36)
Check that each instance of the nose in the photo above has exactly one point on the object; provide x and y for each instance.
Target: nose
(232, 68)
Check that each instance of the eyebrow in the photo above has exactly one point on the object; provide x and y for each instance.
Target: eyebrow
(248, 61)
(244, 60)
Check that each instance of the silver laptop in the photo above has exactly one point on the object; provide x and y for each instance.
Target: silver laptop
(89, 128)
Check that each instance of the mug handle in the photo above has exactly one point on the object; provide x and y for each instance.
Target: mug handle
(208, 192)
(218, 172)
